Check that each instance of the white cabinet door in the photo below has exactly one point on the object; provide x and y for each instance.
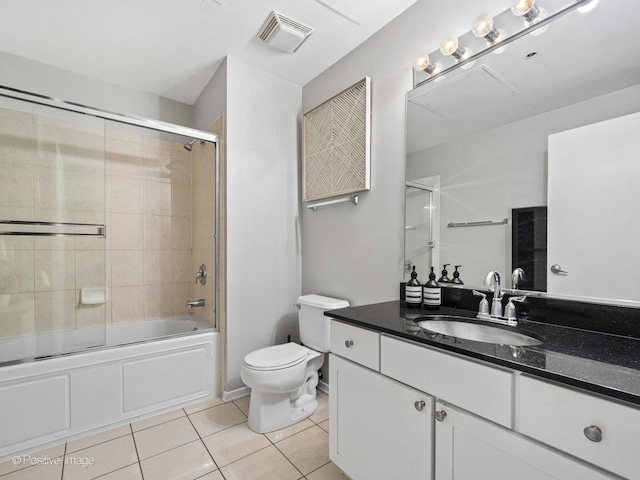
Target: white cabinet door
(468, 448)
(379, 429)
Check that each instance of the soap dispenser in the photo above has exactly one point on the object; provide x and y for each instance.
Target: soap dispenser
(456, 276)
(432, 293)
(445, 275)
(413, 291)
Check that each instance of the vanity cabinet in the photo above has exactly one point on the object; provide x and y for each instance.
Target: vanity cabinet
(399, 409)
(379, 429)
(586, 426)
(469, 448)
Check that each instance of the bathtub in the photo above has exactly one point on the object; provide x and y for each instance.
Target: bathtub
(143, 368)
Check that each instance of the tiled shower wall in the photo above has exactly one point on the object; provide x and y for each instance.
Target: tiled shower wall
(148, 227)
(140, 186)
(50, 170)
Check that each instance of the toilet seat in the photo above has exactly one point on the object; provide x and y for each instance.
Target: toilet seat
(276, 357)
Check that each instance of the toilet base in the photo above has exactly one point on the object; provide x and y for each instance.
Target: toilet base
(269, 412)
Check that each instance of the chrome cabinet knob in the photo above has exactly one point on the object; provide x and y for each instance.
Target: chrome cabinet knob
(440, 415)
(419, 404)
(593, 433)
(348, 343)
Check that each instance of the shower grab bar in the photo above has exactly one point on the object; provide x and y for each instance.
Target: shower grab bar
(101, 229)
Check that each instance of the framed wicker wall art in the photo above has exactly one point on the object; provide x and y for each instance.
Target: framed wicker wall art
(337, 144)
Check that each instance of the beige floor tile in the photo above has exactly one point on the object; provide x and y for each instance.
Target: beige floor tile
(291, 430)
(96, 438)
(107, 457)
(157, 420)
(212, 476)
(243, 404)
(187, 462)
(265, 464)
(234, 443)
(322, 413)
(330, 471)
(196, 407)
(132, 472)
(50, 453)
(218, 418)
(38, 472)
(324, 425)
(307, 450)
(163, 437)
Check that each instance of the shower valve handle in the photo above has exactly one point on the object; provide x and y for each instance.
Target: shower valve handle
(202, 275)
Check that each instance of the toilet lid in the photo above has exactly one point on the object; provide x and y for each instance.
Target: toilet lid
(277, 356)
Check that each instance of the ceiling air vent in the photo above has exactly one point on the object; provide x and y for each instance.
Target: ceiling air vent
(284, 33)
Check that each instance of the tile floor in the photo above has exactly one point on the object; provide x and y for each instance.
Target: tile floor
(209, 441)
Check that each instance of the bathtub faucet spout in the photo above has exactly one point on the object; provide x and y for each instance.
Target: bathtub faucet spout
(195, 303)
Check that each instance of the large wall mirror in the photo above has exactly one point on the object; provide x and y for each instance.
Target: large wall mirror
(546, 135)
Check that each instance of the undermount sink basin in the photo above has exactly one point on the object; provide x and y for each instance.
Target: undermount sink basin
(477, 330)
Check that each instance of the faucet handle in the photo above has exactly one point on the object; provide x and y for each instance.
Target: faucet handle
(518, 299)
(483, 308)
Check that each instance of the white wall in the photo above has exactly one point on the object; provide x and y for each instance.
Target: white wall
(483, 176)
(23, 74)
(356, 253)
(263, 243)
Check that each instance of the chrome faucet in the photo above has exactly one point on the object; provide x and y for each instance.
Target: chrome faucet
(493, 278)
(195, 303)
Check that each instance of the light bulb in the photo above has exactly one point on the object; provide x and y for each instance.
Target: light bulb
(421, 62)
(520, 7)
(482, 25)
(450, 46)
(587, 7)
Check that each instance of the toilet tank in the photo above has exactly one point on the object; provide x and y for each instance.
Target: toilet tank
(313, 324)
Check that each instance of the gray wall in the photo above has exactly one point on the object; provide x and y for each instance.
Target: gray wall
(212, 101)
(18, 72)
(356, 253)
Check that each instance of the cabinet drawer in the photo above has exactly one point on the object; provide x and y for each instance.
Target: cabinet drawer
(478, 388)
(558, 416)
(356, 344)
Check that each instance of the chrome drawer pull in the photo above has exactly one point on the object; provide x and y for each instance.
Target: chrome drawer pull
(440, 415)
(348, 343)
(420, 404)
(593, 433)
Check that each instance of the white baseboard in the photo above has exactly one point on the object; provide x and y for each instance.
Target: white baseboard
(323, 387)
(235, 394)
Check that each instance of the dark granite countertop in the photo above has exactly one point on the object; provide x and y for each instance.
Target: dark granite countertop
(599, 362)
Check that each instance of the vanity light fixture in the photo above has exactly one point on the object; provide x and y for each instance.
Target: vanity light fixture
(423, 64)
(451, 46)
(483, 27)
(531, 13)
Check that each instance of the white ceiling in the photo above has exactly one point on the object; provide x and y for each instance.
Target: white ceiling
(172, 47)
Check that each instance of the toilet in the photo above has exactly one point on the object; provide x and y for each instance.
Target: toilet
(283, 378)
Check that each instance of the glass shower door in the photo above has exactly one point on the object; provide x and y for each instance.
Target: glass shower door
(52, 234)
(418, 230)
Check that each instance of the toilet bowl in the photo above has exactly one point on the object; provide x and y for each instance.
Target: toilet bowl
(283, 378)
